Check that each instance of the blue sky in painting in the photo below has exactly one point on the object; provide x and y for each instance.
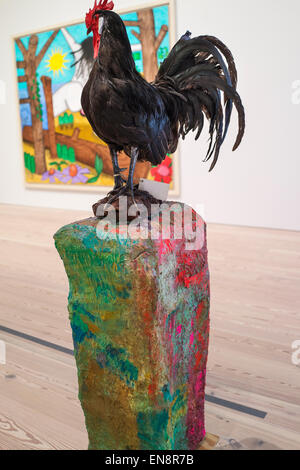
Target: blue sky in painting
(79, 34)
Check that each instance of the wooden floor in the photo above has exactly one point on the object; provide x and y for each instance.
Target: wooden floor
(255, 286)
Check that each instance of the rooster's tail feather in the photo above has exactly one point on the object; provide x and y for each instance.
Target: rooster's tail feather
(191, 81)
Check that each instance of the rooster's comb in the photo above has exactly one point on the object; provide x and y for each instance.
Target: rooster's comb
(102, 5)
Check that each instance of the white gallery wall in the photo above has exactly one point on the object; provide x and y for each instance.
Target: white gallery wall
(259, 184)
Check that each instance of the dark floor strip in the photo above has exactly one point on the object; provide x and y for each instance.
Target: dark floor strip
(235, 406)
(36, 340)
(70, 352)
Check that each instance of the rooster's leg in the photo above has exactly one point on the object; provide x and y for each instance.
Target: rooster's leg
(133, 160)
(117, 170)
(123, 190)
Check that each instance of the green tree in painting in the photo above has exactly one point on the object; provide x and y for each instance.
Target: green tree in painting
(30, 64)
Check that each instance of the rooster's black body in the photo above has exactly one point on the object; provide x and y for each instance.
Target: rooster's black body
(145, 119)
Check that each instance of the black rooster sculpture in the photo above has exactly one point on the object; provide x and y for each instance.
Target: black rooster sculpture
(145, 119)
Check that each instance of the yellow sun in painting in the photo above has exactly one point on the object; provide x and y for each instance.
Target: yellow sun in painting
(56, 62)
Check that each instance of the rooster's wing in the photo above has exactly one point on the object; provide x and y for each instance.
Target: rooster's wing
(129, 113)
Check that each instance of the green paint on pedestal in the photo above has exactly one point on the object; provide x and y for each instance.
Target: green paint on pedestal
(139, 313)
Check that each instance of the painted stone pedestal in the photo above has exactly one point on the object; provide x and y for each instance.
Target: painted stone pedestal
(139, 312)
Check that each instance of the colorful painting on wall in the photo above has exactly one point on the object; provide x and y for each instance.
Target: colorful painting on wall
(59, 146)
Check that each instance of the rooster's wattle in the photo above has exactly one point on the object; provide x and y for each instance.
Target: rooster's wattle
(145, 119)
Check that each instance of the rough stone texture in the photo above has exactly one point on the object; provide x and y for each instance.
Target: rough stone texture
(139, 312)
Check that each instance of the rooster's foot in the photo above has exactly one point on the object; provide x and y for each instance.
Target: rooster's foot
(118, 192)
(114, 195)
(131, 190)
(119, 184)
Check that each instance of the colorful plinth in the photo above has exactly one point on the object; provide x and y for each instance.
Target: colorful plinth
(139, 312)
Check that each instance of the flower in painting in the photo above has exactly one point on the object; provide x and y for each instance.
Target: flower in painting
(75, 174)
(51, 175)
(163, 172)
